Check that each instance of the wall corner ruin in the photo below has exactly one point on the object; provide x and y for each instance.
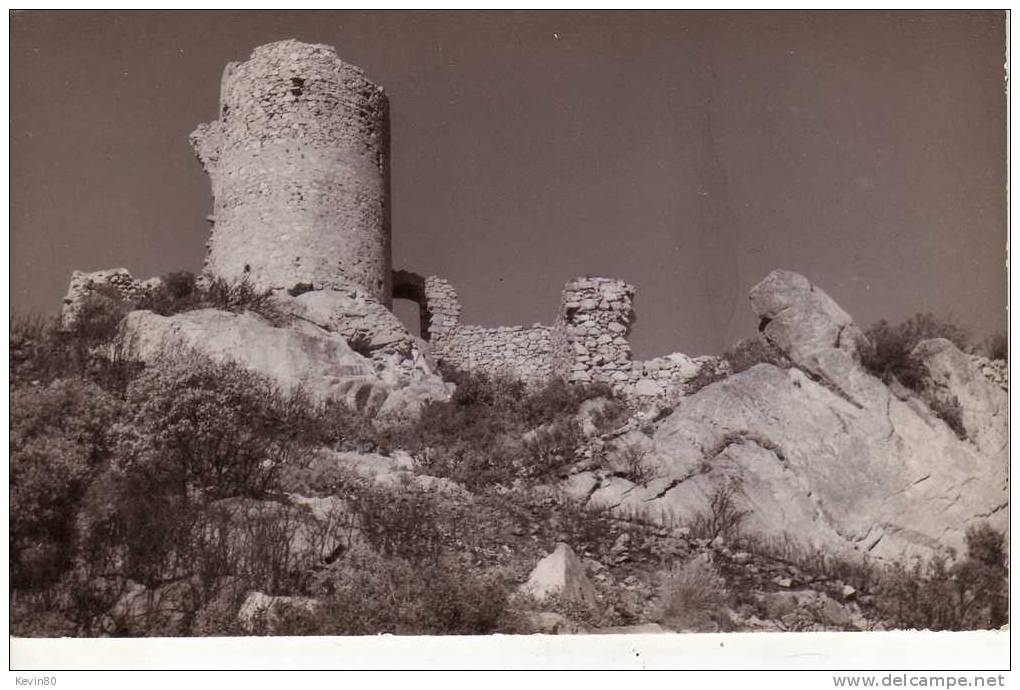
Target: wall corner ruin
(590, 334)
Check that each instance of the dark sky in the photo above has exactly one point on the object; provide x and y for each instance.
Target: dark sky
(687, 153)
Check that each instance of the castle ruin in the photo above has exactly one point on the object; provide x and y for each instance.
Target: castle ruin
(298, 160)
(299, 165)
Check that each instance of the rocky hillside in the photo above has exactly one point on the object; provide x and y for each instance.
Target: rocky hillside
(195, 459)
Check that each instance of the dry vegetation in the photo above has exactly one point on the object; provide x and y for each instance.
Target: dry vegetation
(177, 484)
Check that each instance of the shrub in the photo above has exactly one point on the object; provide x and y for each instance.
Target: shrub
(181, 292)
(59, 436)
(629, 463)
(893, 345)
(42, 351)
(752, 351)
(693, 597)
(948, 409)
(969, 595)
(196, 424)
(996, 347)
(392, 596)
(98, 317)
(398, 523)
(550, 450)
(299, 289)
(179, 284)
(723, 518)
(35, 354)
(475, 437)
(706, 376)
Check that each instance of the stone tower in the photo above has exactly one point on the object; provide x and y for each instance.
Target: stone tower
(299, 165)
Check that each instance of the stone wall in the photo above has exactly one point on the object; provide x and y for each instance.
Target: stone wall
(514, 351)
(587, 342)
(299, 165)
(592, 326)
(443, 310)
(115, 284)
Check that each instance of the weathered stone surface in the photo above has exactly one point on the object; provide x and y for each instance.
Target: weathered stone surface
(140, 609)
(407, 399)
(953, 378)
(800, 608)
(561, 574)
(579, 486)
(298, 158)
(887, 478)
(300, 356)
(807, 325)
(823, 451)
(366, 324)
(267, 615)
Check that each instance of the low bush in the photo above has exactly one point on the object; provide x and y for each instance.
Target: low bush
(181, 292)
(475, 437)
(200, 425)
(42, 351)
(753, 351)
(393, 596)
(971, 594)
(996, 347)
(722, 518)
(549, 450)
(397, 523)
(693, 597)
(894, 343)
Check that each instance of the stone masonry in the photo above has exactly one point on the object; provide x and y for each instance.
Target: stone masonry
(513, 351)
(298, 160)
(594, 320)
(115, 284)
(587, 343)
(299, 165)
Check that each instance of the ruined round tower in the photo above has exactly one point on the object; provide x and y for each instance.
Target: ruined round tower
(299, 165)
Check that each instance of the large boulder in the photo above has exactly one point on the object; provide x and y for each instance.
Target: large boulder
(365, 323)
(561, 575)
(300, 356)
(823, 452)
(805, 324)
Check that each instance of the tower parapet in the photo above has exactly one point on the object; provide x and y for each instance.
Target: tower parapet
(299, 165)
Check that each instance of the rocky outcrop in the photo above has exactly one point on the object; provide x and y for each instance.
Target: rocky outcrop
(807, 325)
(957, 382)
(301, 356)
(823, 451)
(366, 324)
